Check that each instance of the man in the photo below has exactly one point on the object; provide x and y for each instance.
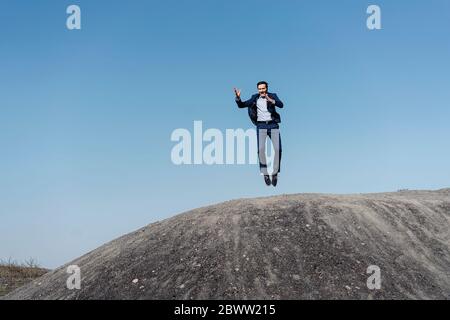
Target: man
(261, 110)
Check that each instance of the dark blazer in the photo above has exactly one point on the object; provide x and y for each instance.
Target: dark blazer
(252, 109)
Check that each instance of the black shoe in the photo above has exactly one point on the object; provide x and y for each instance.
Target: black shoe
(267, 180)
(274, 180)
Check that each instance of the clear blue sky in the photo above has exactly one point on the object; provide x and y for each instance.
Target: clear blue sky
(86, 115)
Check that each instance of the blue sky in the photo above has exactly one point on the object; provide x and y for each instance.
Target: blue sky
(86, 115)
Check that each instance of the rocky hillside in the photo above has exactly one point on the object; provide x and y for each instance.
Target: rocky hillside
(300, 246)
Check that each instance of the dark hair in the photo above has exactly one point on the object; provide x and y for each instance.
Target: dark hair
(263, 82)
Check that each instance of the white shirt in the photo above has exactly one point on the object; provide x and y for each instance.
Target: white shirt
(263, 113)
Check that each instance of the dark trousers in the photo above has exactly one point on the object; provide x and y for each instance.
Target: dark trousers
(272, 130)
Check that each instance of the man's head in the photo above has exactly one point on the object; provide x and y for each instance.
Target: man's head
(262, 87)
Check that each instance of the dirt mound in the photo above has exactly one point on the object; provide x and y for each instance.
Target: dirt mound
(301, 246)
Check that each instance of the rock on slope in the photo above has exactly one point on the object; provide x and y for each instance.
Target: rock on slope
(301, 246)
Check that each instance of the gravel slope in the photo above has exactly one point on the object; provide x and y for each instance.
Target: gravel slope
(300, 246)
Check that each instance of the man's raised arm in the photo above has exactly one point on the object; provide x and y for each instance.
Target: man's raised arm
(239, 102)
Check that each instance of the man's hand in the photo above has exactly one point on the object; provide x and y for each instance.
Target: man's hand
(237, 92)
(272, 101)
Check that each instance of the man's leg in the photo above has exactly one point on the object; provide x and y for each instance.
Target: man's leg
(261, 138)
(275, 137)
